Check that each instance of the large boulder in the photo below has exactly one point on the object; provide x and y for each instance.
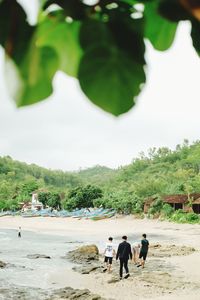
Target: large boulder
(84, 254)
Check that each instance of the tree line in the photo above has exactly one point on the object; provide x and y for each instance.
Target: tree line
(158, 172)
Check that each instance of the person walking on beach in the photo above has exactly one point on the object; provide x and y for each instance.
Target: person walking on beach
(19, 232)
(124, 253)
(136, 252)
(109, 252)
(144, 250)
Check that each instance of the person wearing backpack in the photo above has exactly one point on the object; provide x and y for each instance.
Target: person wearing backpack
(124, 253)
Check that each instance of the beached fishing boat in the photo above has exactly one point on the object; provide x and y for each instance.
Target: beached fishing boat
(103, 216)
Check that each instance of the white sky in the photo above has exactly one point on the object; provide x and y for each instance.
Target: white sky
(68, 132)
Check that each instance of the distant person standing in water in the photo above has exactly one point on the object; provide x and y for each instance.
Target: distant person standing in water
(144, 250)
(19, 232)
(124, 253)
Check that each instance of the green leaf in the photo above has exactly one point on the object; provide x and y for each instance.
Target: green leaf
(158, 30)
(128, 35)
(195, 34)
(93, 32)
(110, 74)
(75, 9)
(15, 32)
(31, 72)
(63, 37)
(173, 10)
(32, 80)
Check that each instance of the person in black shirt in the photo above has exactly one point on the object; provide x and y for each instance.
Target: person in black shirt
(124, 253)
(144, 250)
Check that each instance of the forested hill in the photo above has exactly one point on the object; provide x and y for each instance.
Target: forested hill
(164, 171)
(160, 172)
(19, 172)
(98, 175)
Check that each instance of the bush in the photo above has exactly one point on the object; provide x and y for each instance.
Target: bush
(69, 204)
(81, 197)
(155, 207)
(137, 207)
(101, 202)
(167, 210)
(180, 216)
(192, 218)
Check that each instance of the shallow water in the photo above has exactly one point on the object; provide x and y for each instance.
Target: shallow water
(24, 271)
(40, 273)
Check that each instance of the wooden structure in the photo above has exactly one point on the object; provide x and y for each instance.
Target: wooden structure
(178, 202)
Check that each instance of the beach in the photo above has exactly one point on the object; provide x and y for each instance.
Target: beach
(171, 272)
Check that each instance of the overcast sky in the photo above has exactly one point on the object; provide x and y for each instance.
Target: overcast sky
(68, 132)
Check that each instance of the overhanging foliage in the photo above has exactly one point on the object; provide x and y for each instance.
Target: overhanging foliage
(101, 44)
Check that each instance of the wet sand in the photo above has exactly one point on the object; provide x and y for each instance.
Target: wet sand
(164, 277)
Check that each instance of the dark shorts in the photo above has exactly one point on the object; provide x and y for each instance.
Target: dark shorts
(108, 259)
(143, 255)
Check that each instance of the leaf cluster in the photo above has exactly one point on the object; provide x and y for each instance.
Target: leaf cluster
(100, 44)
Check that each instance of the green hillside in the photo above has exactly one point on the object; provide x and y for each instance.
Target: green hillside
(159, 172)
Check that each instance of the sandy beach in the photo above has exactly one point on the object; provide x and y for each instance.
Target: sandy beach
(174, 276)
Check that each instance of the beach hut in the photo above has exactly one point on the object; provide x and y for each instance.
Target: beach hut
(188, 203)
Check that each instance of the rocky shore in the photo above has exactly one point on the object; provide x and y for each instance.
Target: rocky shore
(28, 293)
(62, 259)
(87, 259)
(158, 275)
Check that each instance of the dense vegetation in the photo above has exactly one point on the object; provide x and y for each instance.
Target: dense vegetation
(99, 42)
(159, 172)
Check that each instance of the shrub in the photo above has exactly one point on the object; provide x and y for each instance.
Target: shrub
(81, 197)
(180, 216)
(69, 204)
(167, 210)
(192, 218)
(155, 207)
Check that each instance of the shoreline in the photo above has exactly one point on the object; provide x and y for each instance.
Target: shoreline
(163, 277)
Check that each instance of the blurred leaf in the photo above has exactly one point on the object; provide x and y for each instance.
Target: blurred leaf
(31, 72)
(173, 10)
(32, 80)
(15, 32)
(158, 30)
(195, 34)
(193, 7)
(72, 8)
(63, 37)
(93, 32)
(109, 73)
(128, 36)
